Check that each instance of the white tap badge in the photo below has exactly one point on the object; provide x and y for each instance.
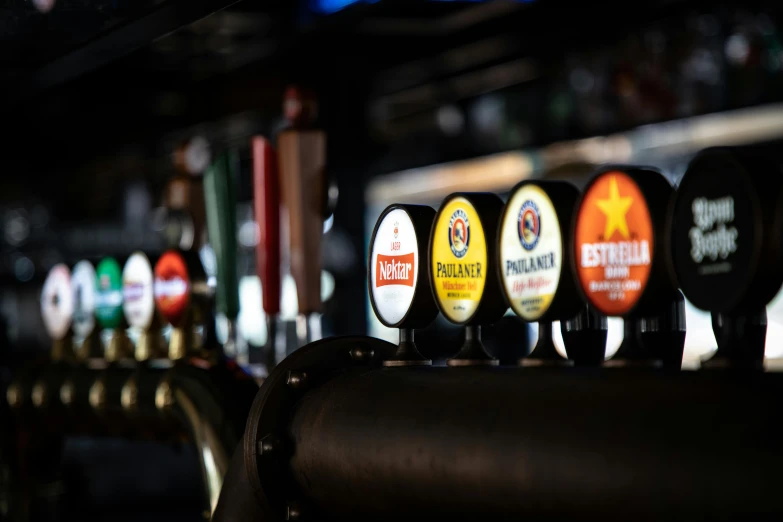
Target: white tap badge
(83, 279)
(394, 268)
(531, 252)
(57, 302)
(137, 290)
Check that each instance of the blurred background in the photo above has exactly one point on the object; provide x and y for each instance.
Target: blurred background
(417, 98)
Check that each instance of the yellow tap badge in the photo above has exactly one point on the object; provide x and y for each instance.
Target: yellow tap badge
(459, 260)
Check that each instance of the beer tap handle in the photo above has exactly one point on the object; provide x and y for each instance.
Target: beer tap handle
(302, 158)
(220, 198)
(266, 198)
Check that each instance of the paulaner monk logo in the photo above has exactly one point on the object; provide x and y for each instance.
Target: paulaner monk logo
(395, 270)
(459, 233)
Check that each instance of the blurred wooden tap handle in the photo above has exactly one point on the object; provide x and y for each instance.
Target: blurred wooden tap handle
(302, 158)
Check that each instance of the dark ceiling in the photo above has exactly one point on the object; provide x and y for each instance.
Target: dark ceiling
(97, 92)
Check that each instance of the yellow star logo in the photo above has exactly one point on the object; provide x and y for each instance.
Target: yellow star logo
(615, 208)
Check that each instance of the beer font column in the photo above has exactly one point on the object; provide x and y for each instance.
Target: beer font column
(57, 311)
(621, 263)
(727, 248)
(176, 275)
(535, 268)
(139, 307)
(463, 264)
(87, 339)
(398, 277)
(109, 312)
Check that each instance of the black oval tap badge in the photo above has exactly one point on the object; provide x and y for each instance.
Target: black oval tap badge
(715, 248)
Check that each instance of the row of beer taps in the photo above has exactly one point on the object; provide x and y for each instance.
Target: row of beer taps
(115, 370)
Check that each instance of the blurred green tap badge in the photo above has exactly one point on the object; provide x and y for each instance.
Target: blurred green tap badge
(108, 295)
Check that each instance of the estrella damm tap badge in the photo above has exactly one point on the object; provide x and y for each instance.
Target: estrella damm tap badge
(394, 266)
(459, 260)
(614, 243)
(531, 252)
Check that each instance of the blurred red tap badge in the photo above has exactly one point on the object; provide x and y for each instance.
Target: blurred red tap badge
(395, 270)
(172, 286)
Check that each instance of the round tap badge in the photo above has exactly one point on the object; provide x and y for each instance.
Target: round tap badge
(172, 286)
(57, 302)
(614, 243)
(717, 225)
(84, 288)
(108, 295)
(459, 260)
(394, 268)
(138, 298)
(531, 252)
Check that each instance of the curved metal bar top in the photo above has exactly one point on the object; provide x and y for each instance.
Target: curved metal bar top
(204, 403)
(356, 441)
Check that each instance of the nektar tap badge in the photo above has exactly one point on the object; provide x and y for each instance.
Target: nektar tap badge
(529, 225)
(459, 233)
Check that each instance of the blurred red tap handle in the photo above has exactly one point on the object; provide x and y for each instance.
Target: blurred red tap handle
(267, 211)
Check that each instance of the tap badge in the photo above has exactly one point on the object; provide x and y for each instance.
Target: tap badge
(108, 296)
(530, 259)
(459, 233)
(57, 302)
(614, 243)
(458, 284)
(138, 298)
(529, 225)
(394, 266)
(172, 286)
(84, 290)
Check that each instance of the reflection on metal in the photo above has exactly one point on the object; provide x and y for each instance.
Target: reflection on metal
(97, 395)
(39, 394)
(67, 393)
(129, 395)
(14, 395)
(500, 172)
(164, 396)
(212, 451)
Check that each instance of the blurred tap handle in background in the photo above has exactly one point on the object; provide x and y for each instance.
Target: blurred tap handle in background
(266, 197)
(302, 159)
(185, 191)
(267, 212)
(220, 181)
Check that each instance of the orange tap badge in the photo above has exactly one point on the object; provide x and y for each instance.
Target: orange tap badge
(614, 243)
